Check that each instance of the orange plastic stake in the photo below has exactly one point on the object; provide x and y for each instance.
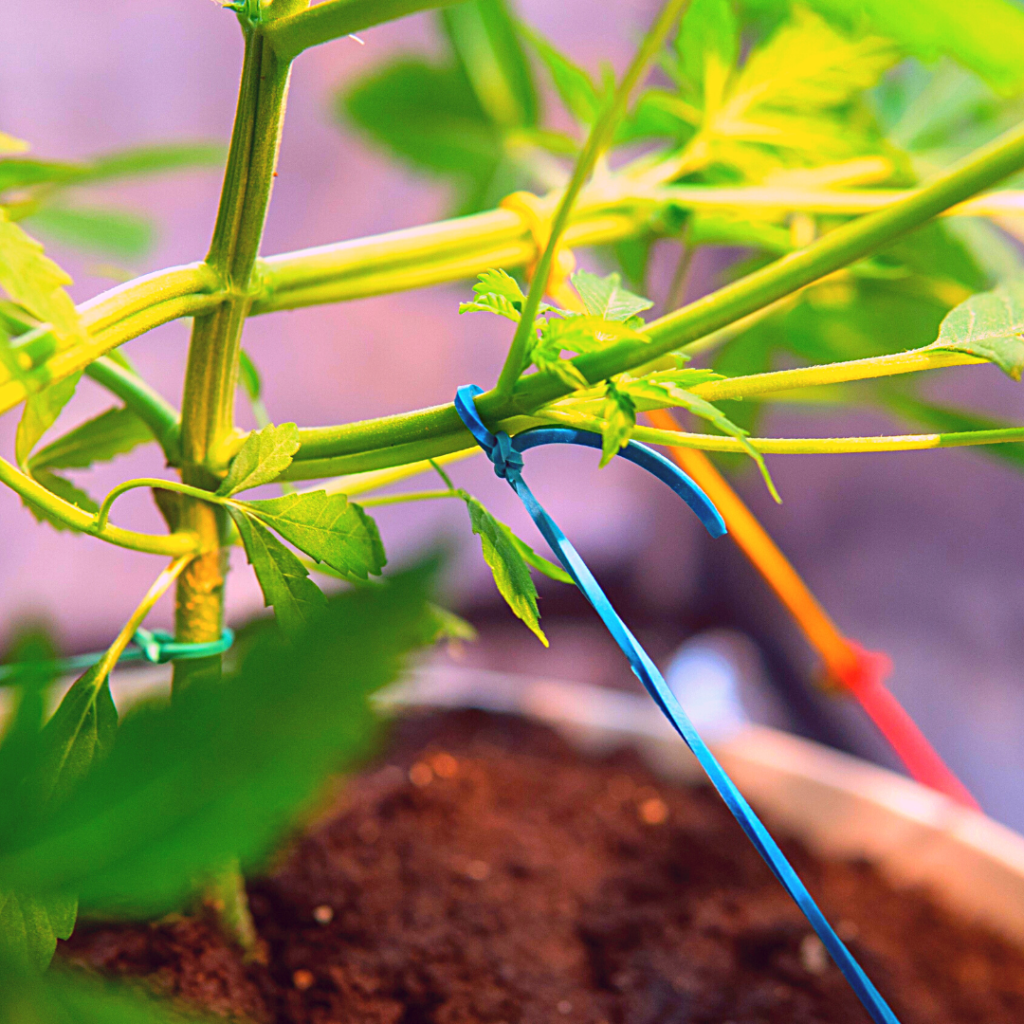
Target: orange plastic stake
(857, 671)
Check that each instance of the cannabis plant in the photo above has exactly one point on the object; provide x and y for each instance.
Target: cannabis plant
(845, 147)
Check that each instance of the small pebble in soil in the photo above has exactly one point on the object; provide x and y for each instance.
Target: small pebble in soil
(444, 765)
(813, 955)
(653, 811)
(421, 774)
(324, 914)
(303, 979)
(478, 870)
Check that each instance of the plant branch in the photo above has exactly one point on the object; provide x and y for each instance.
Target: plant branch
(806, 445)
(598, 140)
(152, 408)
(181, 542)
(160, 587)
(401, 499)
(334, 19)
(154, 482)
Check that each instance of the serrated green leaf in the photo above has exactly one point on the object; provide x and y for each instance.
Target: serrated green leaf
(485, 40)
(605, 297)
(511, 573)
(79, 735)
(100, 439)
(41, 411)
(667, 393)
(985, 35)
(50, 764)
(499, 282)
(34, 281)
(488, 303)
(327, 527)
(30, 927)
(285, 583)
(266, 454)
(109, 232)
(989, 325)
(794, 101)
(575, 88)
(223, 769)
(618, 413)
(65, 489)
(538, 562)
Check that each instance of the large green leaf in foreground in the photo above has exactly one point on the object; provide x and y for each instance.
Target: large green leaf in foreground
(224, 769)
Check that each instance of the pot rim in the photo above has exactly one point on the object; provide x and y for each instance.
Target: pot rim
(839, 805)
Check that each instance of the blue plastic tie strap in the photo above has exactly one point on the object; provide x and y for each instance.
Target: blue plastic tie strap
(156, 647)
(506, 455)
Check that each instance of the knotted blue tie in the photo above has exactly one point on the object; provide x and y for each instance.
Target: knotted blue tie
(506, 456)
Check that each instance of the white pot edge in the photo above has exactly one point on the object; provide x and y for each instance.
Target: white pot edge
(839, 805)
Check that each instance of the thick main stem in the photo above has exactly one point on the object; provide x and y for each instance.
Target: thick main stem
(207, 412)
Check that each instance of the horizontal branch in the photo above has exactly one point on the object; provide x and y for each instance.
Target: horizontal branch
(765, 200)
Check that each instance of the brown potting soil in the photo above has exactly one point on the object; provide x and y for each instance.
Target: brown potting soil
(485, 872)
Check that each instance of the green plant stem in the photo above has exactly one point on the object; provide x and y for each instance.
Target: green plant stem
(154, 482)
(333, 19)
(401, 499)
(806, 445)
(207, 411)
(181, 542)
(829, 253)
(152, 408)
(360, 483)
(598, 140)
(160, 587)
(408, 432)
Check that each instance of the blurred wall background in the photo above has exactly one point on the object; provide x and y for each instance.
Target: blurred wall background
(917, 554)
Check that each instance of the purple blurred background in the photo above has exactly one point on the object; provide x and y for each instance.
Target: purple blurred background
(917, 554)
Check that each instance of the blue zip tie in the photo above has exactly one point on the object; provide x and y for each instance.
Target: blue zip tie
(505, 454)
(156, 646)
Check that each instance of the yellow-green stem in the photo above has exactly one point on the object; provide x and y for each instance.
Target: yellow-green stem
(207, 411)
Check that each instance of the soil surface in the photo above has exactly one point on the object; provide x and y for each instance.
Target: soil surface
(485, 872)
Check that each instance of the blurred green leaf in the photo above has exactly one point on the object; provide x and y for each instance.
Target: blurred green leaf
(249, 376)
(264, 456)
(285, 583)
(40, 413)
(484, 38)
(65, 489)
(60, 997)
(224, 768)
(507, 564)
(141, 160)
(327, 527)
(100, 439)
(618, 415)
(989, 325)
(708, 46)
(576, 89)
(605, 297)
(34, 281)
(428, 116)
(110, 232)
